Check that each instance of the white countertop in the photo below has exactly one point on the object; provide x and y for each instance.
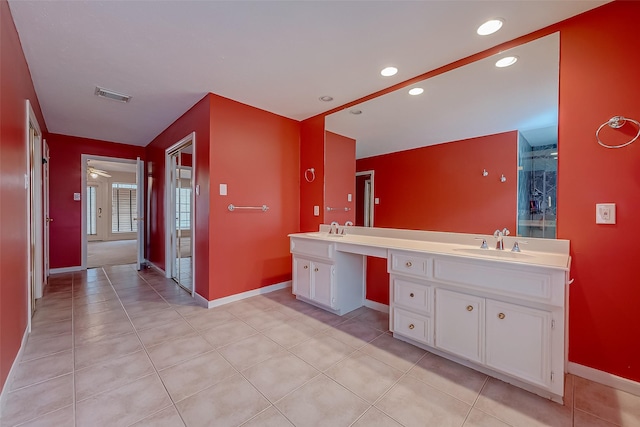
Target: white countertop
(552, 254)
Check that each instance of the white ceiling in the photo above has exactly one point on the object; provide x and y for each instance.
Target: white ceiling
(107, 166)
(474, 100)
(276, 55)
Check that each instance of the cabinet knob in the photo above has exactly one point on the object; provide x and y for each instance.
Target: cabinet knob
(411, 294)
(315, 269)
(411, 326)
(306, 266)
(408, 264)
(469, 308)
(501, 316)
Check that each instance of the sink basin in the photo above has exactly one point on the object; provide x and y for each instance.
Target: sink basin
(494, 253)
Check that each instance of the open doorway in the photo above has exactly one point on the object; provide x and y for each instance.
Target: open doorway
(364, 198)
(110, 205)
(180, 202)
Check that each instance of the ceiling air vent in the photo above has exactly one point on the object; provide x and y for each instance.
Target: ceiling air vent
(107, 93)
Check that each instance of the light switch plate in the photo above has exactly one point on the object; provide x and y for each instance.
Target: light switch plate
(349, 197)
(223, 189)
(376, 201)
(316, 211)
(76, 196)
(605, 213)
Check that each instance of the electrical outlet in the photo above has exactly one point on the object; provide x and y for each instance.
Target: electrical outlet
(223, 189)
(316, 211)
(605, 213)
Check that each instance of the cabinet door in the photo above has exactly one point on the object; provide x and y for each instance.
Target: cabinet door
(518, 341)
(302, 277)
(323, 284)
(459, 324)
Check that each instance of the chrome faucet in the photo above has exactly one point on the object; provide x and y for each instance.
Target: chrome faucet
(334, 227)
(500, 236)
(344, 229)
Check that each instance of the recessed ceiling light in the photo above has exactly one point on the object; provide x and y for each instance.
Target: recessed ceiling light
(389, 71)
(506, 61)
(355, 112)
(326, 98)
(110, 94)
(416, 91)
(490, 27)
(553, 154)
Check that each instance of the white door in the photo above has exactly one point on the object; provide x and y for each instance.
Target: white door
(45, 198)
(459, 322)
(140, 212)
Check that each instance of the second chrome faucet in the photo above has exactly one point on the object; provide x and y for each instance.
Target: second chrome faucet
(499, 235)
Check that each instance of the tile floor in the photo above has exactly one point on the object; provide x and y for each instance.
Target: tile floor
(111, 347)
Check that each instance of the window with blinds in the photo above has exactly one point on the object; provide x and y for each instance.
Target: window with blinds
(123, 208)
(92, 212)
(183, 208)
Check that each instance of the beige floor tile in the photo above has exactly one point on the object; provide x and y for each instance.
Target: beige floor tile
(48, 315)
(175, 351)
(166, 332)
(60, 418)
(375, 418)
(93, 298)
(230, 403)
(414, 403)
(477, 418)
(112, 374)
(521, 408)
(106, 349)
(270, 417)
(227, 333)
(45, 345)
(394, 352)
(151, 320)
(354, 333)
(102, 332)
(168, 417)
(322, 402)
(124, 405)
(322, 351)
(188, 307)
(194, 375)
(583, 419)
(279, 375)
(146, 307)
(97, 319)
(365, 376)
(39, 399)
(210, 319)
(45, 368)
(452, 378)
(249, 351)
(607, 403)
(319, 319)
(98, 307)
(266, 319)
(375, 319)
(288, 335)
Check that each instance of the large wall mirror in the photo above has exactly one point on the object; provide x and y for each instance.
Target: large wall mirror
(441, 150)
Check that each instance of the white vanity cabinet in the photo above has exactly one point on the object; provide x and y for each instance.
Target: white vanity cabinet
(326, 278)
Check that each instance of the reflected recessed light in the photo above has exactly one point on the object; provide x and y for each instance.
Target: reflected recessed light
(553, 154)
(355, 112)
(490, 27)
(506, 61)
(389, 71)
(416, 91)
(326, 98)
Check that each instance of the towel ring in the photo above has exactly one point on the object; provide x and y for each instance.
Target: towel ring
(616, 122)
(310, 172)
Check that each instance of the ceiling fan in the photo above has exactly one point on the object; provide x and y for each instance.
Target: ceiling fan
(94, 173)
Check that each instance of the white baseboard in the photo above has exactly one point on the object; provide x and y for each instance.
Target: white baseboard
(66, 269)
(5, 387)
(237, 297)
(376, 306)
(605, 378)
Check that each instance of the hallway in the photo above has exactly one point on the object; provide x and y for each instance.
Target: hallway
(116, 347)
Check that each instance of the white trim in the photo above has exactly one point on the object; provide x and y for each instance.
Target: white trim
(66, 269)
(238, 297)
(16, 361)
(605, 378)
(384, 308)
(372, 196)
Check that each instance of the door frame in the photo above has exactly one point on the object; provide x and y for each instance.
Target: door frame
(83, 198)
(46, 209)
(372, 196)
(169, 207)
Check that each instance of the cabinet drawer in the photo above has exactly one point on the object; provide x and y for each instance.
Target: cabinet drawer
(412, 326)
(412, 295)
(410, 264)
(313, 248)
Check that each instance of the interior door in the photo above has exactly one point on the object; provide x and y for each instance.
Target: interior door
(140, 212)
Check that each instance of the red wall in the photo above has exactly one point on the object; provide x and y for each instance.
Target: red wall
(65, 178)
(312, 137)
(441, 188)
(340, 171)
(257, 154)
(599, 79)
(195, 120)
(15, 88)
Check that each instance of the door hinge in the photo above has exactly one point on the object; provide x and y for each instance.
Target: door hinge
(551, 376)
(553, 324)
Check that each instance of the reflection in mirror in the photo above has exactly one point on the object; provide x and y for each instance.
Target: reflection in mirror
(364, 198)
(429, 150)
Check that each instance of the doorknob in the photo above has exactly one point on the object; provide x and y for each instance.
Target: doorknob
(49, 219)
